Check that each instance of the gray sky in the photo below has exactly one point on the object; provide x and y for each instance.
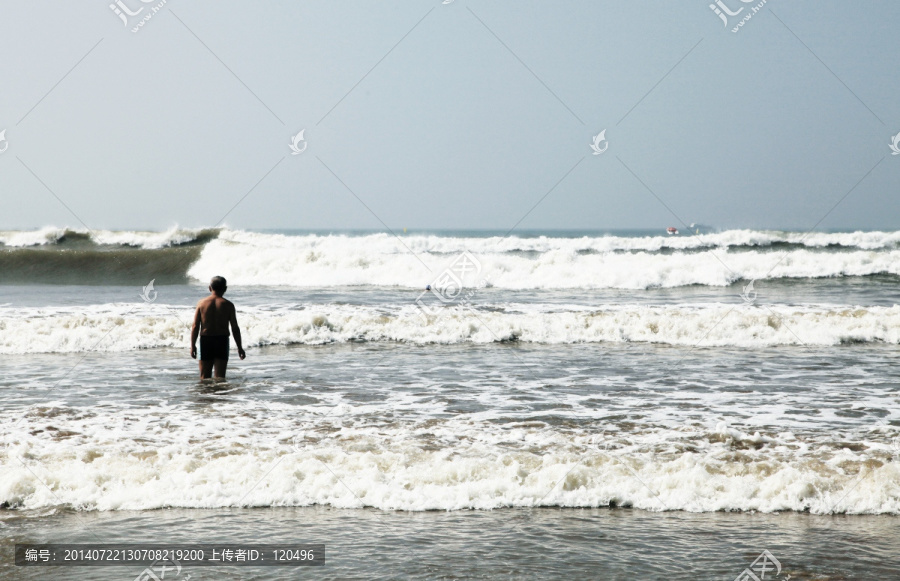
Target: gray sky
(472, 113)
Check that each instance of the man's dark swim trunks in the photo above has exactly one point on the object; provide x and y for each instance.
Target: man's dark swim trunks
(213, 347)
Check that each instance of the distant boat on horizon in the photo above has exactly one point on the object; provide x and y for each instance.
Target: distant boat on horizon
(672, 230)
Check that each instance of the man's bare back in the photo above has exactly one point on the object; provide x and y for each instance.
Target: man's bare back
(213, 317)
(215, 314)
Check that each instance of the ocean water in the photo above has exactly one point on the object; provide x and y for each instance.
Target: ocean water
(634, 405)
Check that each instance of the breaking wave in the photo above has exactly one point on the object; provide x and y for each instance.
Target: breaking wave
(54, 255)
(122, 328)
(168, 457)
(66, 256)
(62, 237)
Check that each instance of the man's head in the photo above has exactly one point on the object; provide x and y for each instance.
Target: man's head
(218, 285)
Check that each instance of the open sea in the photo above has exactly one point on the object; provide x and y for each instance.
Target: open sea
(566, 405)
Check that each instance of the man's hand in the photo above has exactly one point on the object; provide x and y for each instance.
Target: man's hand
(241, 353)
(195, 332)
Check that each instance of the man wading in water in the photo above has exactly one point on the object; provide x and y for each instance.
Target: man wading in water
(211, 321)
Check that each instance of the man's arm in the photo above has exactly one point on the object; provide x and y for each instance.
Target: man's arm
(236, 331)
(195, 332)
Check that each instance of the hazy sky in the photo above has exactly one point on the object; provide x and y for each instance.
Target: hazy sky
(458, 115)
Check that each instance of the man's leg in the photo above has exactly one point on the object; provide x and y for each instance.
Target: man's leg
(221, 364)
(206, 368)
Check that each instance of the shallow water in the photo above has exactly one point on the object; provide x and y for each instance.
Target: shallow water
(459, 426)
(616, 544)
(606, 407)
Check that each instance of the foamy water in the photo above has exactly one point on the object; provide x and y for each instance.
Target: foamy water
(872, 240)
(542, 263)
(126, 327)
(484, 429)
(581, 371)
(414, 260)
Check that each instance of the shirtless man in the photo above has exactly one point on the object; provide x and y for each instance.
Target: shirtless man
(211, 321)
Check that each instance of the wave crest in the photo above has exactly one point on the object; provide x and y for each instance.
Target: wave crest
(382, 260)
(68, 331)
(53, 236)
(443, 465)
(54, 255)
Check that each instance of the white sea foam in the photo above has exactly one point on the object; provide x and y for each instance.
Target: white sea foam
(149, 240)
(589, 262)
(873, 240)
(453, 244)
(47, 235)
(542, 263)
(140, 239)
(120, 328)
(165, 457)
(386, 243)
